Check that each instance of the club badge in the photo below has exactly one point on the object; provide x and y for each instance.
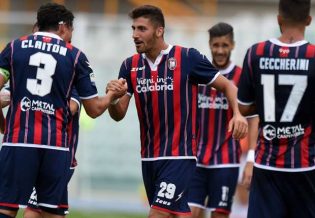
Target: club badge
(171, 63)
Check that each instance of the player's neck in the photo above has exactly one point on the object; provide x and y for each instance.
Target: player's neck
(292, 34)
(155, 52)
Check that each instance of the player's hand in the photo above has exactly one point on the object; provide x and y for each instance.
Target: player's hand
(238, 124)
(247, 174)
(118, 87)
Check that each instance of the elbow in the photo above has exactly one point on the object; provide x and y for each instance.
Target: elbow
(93, 114)
(116, 118)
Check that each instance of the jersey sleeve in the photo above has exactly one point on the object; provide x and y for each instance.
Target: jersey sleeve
(246, 90)
(75, 96)
(5, 60)
(124, 72)
(202, 72)
(85, 79)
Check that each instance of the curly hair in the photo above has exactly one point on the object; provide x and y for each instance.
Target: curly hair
(50, 15)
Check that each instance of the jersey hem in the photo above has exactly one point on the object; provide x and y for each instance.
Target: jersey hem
(35, 146)
(89, 97)
(219, 166)
(304, 169)
(168, 158)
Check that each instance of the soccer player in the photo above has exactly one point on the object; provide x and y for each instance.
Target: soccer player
(277, 82)
(42, 69)
(218, 155)
(164, 79)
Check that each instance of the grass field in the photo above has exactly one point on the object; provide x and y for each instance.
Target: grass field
(80, 214)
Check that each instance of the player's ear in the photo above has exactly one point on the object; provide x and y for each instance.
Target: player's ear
(160, 31)
(308, 20)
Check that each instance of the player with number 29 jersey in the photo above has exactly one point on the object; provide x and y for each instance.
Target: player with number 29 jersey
(280, 78)
(37, 98)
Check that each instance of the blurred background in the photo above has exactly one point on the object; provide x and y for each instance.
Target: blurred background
(108, 177)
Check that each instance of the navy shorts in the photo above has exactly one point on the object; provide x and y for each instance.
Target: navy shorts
(167, 182)
(213, 188)
(275, 194)
(23, 168)
(62, 209)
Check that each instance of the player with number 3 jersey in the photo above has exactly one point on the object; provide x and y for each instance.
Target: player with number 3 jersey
(42, 69)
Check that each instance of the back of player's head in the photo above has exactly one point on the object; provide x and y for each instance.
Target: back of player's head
(221, 29)
(50, 15)
(151, 12)
(296, 11)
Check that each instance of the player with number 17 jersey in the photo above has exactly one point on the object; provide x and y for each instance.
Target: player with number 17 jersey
(280, 78)
(38, 112)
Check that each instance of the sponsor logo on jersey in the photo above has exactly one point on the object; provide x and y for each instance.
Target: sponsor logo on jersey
(212, 102)
(171, 63)
(158, 84)
(270, 132)
(37, 105)
(161, 201)
(135, 69)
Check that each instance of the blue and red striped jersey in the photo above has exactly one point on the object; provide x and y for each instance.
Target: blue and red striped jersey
(166, 100)
(280, 79)
(42, 70)
(216, 147)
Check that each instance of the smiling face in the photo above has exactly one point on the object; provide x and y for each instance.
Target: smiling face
(145, 34)
(221, 48)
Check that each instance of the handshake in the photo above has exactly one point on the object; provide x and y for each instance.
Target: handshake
(116, 89)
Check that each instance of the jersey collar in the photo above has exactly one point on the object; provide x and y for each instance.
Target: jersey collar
(48, 34)
(228, 69)
(295, 44)
(154, 65)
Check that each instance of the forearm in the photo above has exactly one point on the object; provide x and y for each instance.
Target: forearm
(231, 95)
(96, 106)
(118, 111)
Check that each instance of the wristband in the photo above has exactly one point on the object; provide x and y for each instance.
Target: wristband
(114, 102)
(250, 156)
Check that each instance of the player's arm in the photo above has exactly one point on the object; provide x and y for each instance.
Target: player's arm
(117, 109)
(94, 107)
(253, 129)
(3, 80)
(238, 123)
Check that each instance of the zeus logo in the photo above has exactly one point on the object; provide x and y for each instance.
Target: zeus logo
(284, 51)
(25, 104)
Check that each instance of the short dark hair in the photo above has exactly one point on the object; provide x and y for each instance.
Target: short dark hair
(50, 15)
(295, 10)
(154, 13)
(221, 29)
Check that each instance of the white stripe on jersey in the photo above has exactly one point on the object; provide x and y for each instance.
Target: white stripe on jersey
(168, 158)
(35, 146)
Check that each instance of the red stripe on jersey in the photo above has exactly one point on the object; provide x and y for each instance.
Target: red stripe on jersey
(237, 75)
(283, 146)
(310, 51)
(133, 76)
(305, 147)
(260, 48)
(38, 127)
(211, 129)
(9, 205)
(156, 116)
(225, 146)
(16, 125)
(261, 149)
(194, 118)
(59, 127)
(176, 102)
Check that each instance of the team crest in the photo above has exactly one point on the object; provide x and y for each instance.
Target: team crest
(171, 63)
